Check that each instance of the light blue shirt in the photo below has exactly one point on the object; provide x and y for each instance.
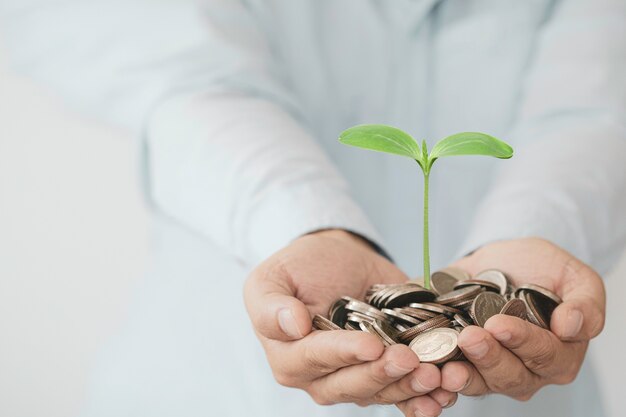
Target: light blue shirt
(240, 104)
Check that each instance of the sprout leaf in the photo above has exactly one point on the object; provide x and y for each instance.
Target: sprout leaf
(383, 138)
(470, 143)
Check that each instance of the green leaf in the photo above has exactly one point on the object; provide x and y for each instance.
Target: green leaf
(470, 143)
(382, 138)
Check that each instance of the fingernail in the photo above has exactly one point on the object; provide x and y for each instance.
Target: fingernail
(417, 386)
(449, 403)
(287, 323)
(461, 388)
(503, 336)
(418, 413)
(393, 370)
(573, 323)
(477, 350)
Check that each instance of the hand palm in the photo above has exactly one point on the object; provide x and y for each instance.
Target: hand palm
(516, 358)
(322, 273)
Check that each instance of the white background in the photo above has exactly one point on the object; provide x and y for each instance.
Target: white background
(73, 239)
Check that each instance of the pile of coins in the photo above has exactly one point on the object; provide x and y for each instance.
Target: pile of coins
(429, 321)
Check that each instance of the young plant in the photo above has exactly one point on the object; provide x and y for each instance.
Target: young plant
(388, 139)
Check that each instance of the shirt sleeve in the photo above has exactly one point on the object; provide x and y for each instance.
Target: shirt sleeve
(226, 147)
(567, 181)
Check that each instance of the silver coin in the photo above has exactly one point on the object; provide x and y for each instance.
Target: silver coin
(459, 295)
(515, 307)
(443, 281)
(394, 315)
(541, 290)
(496, 277)
(462, 320)
(436, 346)
(486, 305)
(487, 285)
(385, 331)
(412, 293)
(322, 323)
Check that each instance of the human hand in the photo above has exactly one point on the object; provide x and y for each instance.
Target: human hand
(514, 357)
(303, 279)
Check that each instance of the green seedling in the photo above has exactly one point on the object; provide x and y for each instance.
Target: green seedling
(389, 139)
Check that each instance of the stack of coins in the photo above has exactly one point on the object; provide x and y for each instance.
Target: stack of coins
(429, 321)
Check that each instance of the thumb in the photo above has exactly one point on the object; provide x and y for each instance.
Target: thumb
(581, 315)
(273, 308)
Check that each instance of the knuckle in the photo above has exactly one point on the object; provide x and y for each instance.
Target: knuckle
(382, 398)
(524, 397)
(378, 377)
(517, 341)
(320, 400)
(527, 391)
(344, 397)
(479, 394)
(565, 379)
(568, 376)
(315, 367)
(543, 357)
(490, 362)
(504, 386)
(475, 388)
(284, 379)
(520, 337)
(313, 363)
(362, 403)
(319, 397)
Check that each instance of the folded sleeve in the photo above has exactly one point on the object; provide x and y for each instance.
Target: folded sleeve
(246, 174)
(227, 152)
(567, 181)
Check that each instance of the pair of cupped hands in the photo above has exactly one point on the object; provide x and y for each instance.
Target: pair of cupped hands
(508, 356)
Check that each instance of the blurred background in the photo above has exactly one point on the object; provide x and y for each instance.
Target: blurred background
(73, 241)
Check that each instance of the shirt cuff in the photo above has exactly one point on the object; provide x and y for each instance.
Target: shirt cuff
(288, 214)
(518, 212)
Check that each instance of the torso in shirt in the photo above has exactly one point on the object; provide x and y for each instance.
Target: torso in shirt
(430, 67)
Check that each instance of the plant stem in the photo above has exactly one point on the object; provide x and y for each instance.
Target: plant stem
(426, 243)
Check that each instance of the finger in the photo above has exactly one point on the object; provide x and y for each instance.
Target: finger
(359, 383)
(581, 315)
(502, 371)
(423, 380)
(462, 377)
(424, 406)
(539, 349)
(446, 399)
(299, 362)
(275, 312)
